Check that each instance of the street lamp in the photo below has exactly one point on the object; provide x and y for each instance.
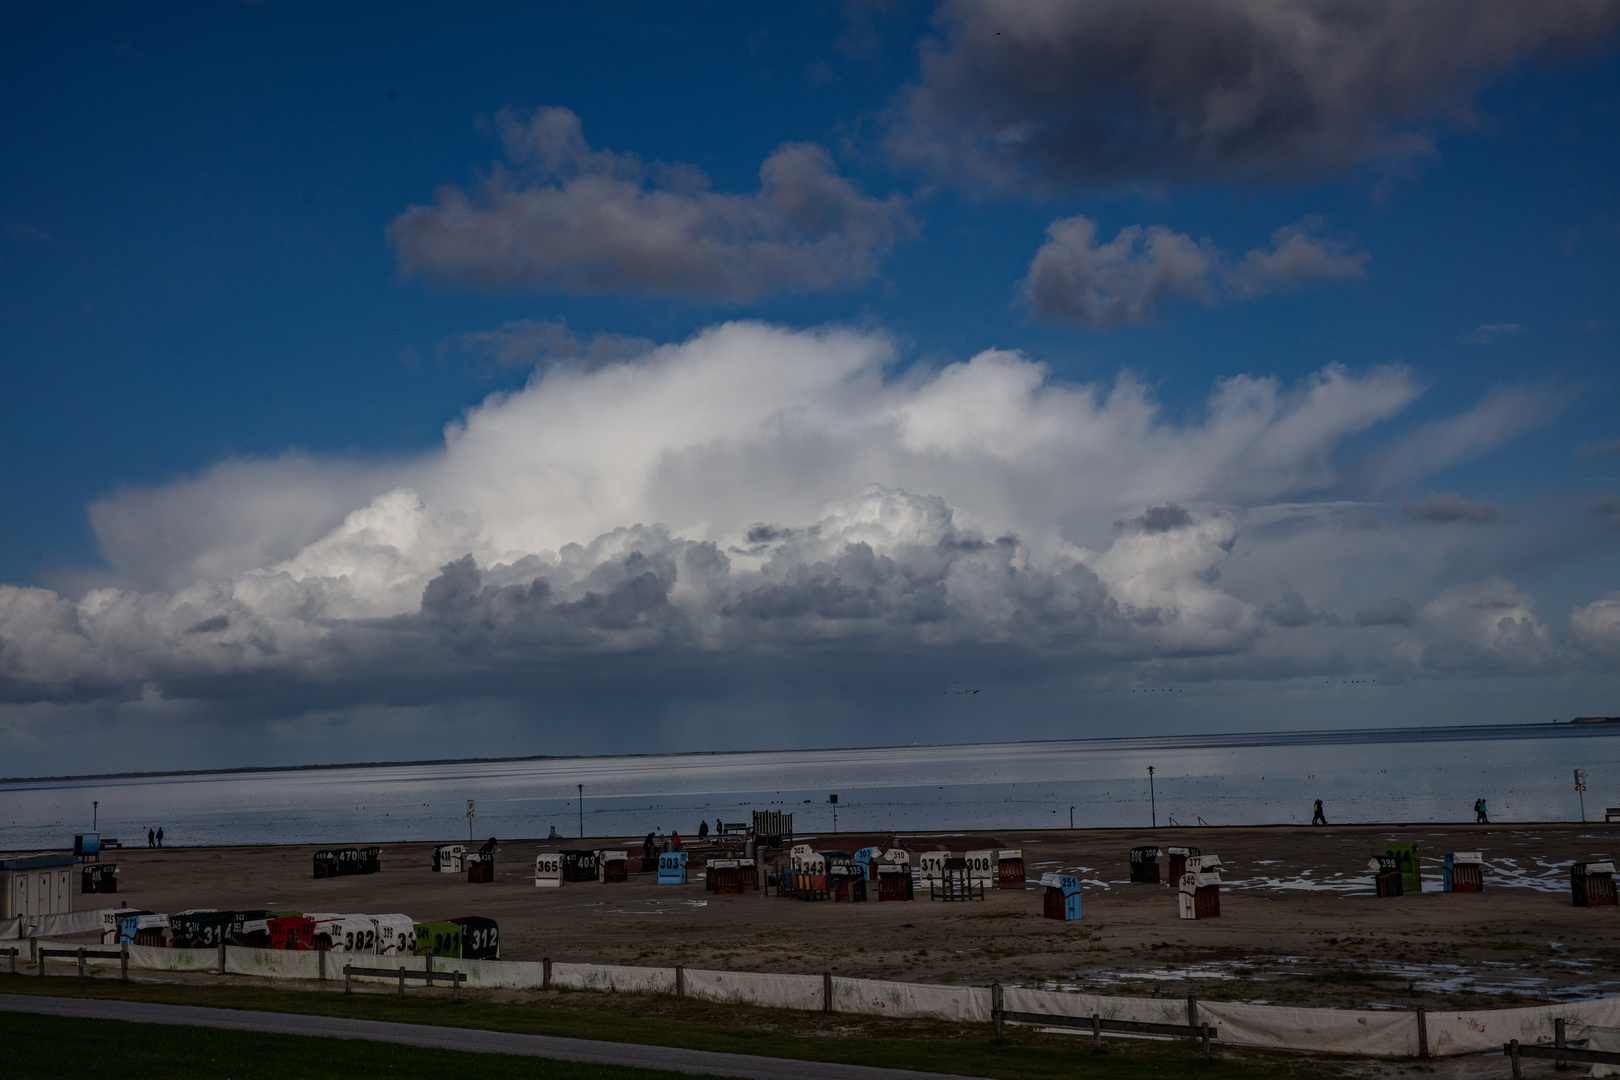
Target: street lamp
(95, 815)
(582, 811)
(1152, 802)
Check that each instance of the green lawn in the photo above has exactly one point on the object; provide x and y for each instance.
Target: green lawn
(68, 1047)
(925, 1045)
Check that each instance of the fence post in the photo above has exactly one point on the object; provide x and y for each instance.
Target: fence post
(1206, 1042)
(996, 1007)
(680, 981)
(1192, 1011)
(401, 982)
(346, 987)
(81, 961)
(1558, 1040)
(39, 954)
(1423, 1032)
(1513, 1053)
(222, 957)
(455, 980)
(826, 991)
(428, 968)
(33, 949)
(123, 961)
(320, 964)
(545, 974)
(1096, 1033)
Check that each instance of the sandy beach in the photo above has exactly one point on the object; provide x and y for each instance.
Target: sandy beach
(1298, 925)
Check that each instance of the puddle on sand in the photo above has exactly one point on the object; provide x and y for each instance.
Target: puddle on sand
(645, 907)
(1484, 977)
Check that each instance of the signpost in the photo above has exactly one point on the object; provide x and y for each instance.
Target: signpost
(1580, 789)
(832, 800)
(582, 811)
(469, 820)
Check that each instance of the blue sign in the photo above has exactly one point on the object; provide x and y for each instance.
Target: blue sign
(672, 868)
(86, 843)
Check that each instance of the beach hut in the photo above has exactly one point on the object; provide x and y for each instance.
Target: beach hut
(1145, 865)
(671, 868)
(447, 858)
(868, 858)
(798, 853)
(723, 877)
(1172, 863)
(580, 865)
(1462, 871)
(350, 933)
(349, 861)
(1386, 875)
(98, 878)
(956, 883)
(396, 934)
(1406, 857)
(613, 866)
(932, 864)
(1199, 893)
(480, 938)
(1592, 884)
(1010, 867)
(326, 864)
(111, 919)
(548, 870)
(291, 932)
(143, 928)
(204, 929)
(848, 883)
(370, 860)
(441, 938)
(895, 882)
(982, 866)
(1060, 897)
(480, 868)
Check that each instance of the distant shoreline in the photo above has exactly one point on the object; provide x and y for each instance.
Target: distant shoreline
(1332, 736)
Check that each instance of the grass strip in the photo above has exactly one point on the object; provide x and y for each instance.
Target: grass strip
(133, 1051)
(664, 1020)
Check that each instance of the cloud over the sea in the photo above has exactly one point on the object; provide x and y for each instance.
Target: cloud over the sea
(561, 215)
(774, 496)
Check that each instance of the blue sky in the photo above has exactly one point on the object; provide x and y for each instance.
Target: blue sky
(220, 318)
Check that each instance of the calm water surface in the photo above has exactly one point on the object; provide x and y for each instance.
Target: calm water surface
(1388, 775)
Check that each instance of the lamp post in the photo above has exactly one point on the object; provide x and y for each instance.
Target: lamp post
(1071, 817)
(582, 811)
(1152, 802)
(95, 815)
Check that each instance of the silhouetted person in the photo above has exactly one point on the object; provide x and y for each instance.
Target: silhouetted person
(1480, 816)
(1318, 818)
(160, 834)
(151, 838)
(675, 841)
(703, 829)
(648, 847)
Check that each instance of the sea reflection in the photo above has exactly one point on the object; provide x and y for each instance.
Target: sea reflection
(1415, 775)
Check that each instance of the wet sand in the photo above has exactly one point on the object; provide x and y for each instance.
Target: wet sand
(1298, 925)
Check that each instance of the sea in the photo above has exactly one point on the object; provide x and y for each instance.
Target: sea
(1525, 772)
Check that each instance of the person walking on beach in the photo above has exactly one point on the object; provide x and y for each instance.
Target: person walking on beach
(648, 847)
(160, 836)
(1318, 818)
(151, 838)
(1480, 816)
(703, 829)
(675, 840)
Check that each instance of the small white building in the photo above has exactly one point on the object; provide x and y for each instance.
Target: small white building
(36, 883)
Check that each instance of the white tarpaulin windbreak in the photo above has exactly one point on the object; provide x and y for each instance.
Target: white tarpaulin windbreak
(1381, 1032)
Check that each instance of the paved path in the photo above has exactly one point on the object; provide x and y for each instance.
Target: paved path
(671, 1058)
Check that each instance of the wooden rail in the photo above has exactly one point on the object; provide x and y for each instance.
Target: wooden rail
(427, 975)
(81, 954)
(1558, 1053)
(1097, 1025)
